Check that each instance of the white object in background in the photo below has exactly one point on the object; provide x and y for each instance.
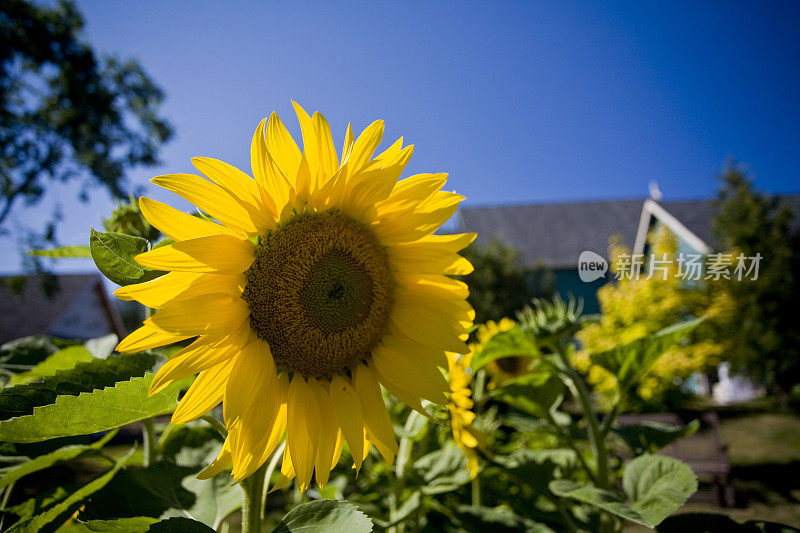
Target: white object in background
(732, 388)
(655, 192)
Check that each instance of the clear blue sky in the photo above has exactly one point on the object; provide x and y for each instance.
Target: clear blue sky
(518, 101)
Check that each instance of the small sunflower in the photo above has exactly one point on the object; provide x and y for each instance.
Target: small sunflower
(460, 406)
(305, 288)
(504, 368)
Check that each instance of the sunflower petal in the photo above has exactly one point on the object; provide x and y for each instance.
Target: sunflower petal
(348, 144)
(240, 186)
(376, 417)
(191, 316)
(223, 461)
(252, 398)
(411, 192)
(157, 292)
(347, 406)
(310, 148)
(282, 148)
(303, 422)
(221, 254)
(177, 224)
(411, 374)
(433, 254)
(203, 353)
(328, 432)
(205, 393)
(147, 337)
(274, 186)
(328, 160)
(364, 147)
(209, 198)
(414, 317)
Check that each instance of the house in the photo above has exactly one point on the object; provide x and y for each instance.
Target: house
(554, 235)
(79, 309)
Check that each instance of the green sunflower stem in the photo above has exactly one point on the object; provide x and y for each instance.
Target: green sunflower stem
(404, 449)
(253, 488)
(476, 492)
(149, 438)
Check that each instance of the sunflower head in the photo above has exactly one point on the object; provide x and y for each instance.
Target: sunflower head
(304, 289)
(506, 367)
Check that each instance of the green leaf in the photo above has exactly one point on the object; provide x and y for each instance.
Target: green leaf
(45, 461)
(27, 350)
(62, 360)
(537, 467)
(114, 254)
(64, 251)
(196, 446)
(505, 344)
(91, 412)
(649, 437)
(169, 487)
(442, 470)
(536, 394)
(496, 520)
(180, 524)
(84, 377)
(628, 362)
(135, 524)
(325, 516)
(656, 487)
(65, 507)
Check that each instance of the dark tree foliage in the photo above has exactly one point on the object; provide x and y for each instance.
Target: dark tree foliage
(66, 113)
(501, 285)
(764, 327)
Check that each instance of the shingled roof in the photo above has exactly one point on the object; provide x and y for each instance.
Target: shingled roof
(31, 312)
(555, 234)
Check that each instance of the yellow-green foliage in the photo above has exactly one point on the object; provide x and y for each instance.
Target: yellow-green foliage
(633, 308)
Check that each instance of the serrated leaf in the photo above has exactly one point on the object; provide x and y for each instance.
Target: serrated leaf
(114, 254)
(62, 360)
(63, 508)
(535, 394)
(649, 437)
(325, 516)
(135, 524)
(91, 412)
(84, 377)
(656, 487)
(45, 461)
(64, 251)
(628, 362)
(513, 342)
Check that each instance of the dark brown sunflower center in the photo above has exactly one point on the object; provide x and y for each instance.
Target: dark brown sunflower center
(319, 292)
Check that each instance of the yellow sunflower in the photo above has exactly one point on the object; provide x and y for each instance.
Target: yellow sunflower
(460, 406)
(504, 368)
(305, 288)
